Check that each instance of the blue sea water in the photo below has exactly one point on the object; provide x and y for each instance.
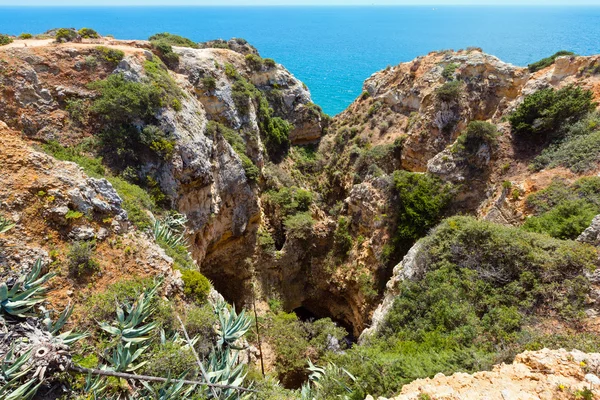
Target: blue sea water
(334, 49)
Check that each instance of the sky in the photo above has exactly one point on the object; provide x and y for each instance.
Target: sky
(289, 2)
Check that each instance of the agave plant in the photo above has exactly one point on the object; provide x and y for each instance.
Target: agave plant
(130, 318)
(222, 368)
(54, 328)
(332, 373)
(5, 224)
(170, 230)
(124, 355)
(232, 325)
(168, 391)
(25, 293)
(94, 385)
(12, 369)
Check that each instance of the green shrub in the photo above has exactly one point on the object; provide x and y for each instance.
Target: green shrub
(579, 150)
(66, 35)
(5, 39)
(73, 215)
(548, 61)
(171, 359)
(101, 306)
(92, 166)
(81, 261)
(269, 63)
(88, 33)
(195, 285)
(544, 112)
(477, 134)
(448, 71)
(449, 91)
(566, 221)
(110, 55)
(422, 200)
(25, 36)
(299, 226)
(136, 201)
(564, 211)
(78, 110)
(200, 322)
(265, 240)
(341, 238)
(209, 83)
(254, 62)
(480, 285)
(289, 200)
(173, 40)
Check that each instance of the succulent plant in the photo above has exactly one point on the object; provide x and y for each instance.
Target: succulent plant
(25, 292)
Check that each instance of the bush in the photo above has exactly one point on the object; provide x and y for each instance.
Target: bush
(66, 35)
(449, 91)
(548, 61)
(544, 112)
(479, 285)
(448, 71)
(25, 36)
(269, 63)
(111, 56)
(566, 221)
(196, 286)
(422, 199)
(81, 261)
(289, 200)
(171, 359)
(136, 201)
(200, 322)
(341, 238)
(209, 83)
(299, 226)
(477, 133)
(88, 33)
(77, 109)
(173, 40)
(579, 150)
(564, 211)
(92, 166)
(101, 306)
(254, 62)
(5, 39)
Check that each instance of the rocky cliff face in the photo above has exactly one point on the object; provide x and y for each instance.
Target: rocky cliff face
(544, 374)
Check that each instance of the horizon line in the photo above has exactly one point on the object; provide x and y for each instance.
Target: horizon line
(499, 4)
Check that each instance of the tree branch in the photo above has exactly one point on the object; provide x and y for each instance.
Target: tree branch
(152, 378)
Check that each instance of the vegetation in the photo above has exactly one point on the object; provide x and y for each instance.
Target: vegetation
(66, 35)
(544, 112)
(422, 200)
(173, 40)
(121, 104)
(209, 83)
(299, 226)
(342, 239)
(88, 33)
(478, 133)
(449, 91)
(274, 130)
(548, 61)
(448, 72)
(239, 146)
(25, 36)
(5, 39)
(564, 211)
(294, 340)
(196, 286)
(82, 263)
(255, 62)
(110, 55)
(471, 304)
(579, 150)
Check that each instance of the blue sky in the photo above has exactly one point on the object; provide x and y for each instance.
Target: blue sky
(290, 2)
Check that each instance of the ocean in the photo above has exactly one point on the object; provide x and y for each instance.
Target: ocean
(334, 49)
